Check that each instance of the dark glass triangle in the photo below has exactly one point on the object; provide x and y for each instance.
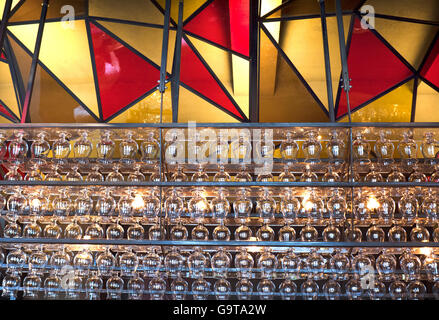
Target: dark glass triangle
(295, 8)
(30, 10)
(50, 103)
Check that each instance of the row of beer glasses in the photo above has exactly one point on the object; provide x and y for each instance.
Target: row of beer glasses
(58, 272)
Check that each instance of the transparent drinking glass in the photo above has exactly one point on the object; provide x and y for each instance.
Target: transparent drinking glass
(244, 289)
(105, 147)
(40, 149)
(289, 148)
(150, 148)
(61, 148)
(384, 148)
(312, 147)
(82, 147)
(361, 148)
(179, 288)
(336, 147)
(332, 290)
(429, 147)
(95, 175)
(128, 148)
(408, 148)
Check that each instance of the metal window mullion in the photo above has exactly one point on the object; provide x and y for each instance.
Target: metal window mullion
(327, 61)
(346, 87)
(175, 82)
(162, 88)
(4, 23)
(254, 61)
(33, 68)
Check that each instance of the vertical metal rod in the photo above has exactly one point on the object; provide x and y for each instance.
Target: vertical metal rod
(414, 98)
(327, 61)
(33, 68)
(165, 44)
(4, 23)
(175, 84)
(254, 61)
(346, 87)
(162, 89)
(344, 61)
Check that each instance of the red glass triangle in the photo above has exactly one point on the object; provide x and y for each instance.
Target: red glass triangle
(3, 110)
(123, 76)
(225, 23)
(430, 70)
(239, 12)
(2, 56)
(373, 68)
(194, 74)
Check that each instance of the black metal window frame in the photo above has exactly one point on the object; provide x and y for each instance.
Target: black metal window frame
(256, 27)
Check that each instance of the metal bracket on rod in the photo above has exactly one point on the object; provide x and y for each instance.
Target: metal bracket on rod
(33, 68)
(4, 23)
(327, 61)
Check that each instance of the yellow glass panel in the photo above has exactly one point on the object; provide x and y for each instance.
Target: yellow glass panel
(193, 108)
(396, 106)
(7, 92)
(241, 83)
(231, 70)
(147, 41)
(26, 34)
(4, 120)
(189, 7)
(268, 5)
(66, 53)
(427, 104)
(2, 6)
(132, 10)
(302, 41)
(290, 101)
(411, 40)
(148, 110)
(416, 9)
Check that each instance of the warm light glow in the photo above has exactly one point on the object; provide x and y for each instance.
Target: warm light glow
(372, 203)
(254, 248)
(138, 202)
(201, 205)
(35, 203)
(306, 204)
(426, 252)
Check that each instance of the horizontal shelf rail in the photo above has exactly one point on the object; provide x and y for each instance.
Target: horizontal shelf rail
(223, 125)
(222, 184)
(231, 243)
